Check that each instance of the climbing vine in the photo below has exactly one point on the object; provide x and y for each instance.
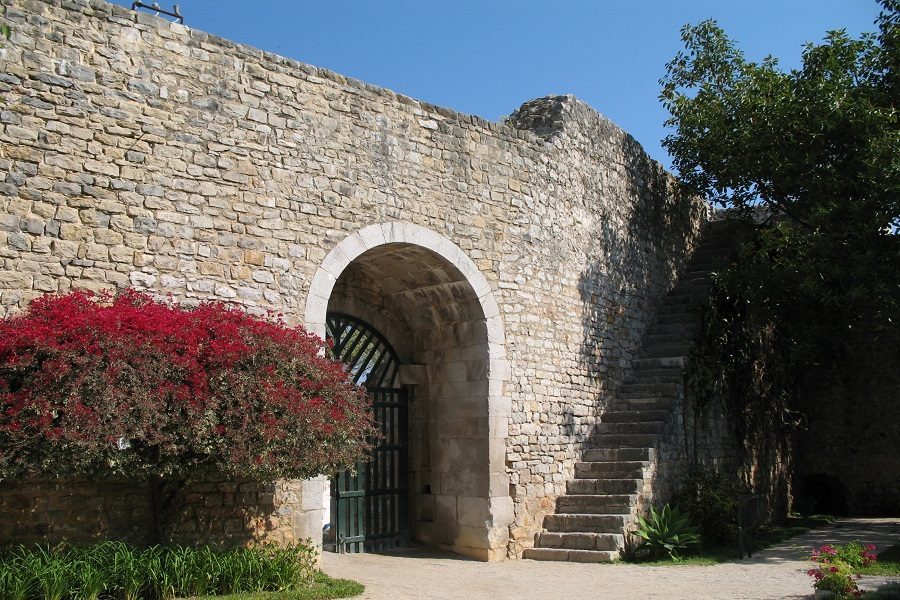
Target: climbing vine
(749, 362)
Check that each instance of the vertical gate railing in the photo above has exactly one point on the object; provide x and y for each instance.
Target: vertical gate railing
(387, 473)
(370, 504)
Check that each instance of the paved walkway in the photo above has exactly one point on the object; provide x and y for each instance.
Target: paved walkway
(779, 572)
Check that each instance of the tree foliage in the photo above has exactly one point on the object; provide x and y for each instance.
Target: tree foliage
(808, 160)
(129, 385)
(810, 153)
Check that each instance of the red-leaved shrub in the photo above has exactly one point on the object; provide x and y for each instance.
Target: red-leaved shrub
(129, 385)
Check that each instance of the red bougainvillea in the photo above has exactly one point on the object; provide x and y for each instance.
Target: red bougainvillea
(129, 385)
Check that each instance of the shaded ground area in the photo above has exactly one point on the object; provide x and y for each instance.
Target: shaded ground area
(778, 572)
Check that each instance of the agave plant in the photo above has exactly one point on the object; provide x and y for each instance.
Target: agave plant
(667, 530)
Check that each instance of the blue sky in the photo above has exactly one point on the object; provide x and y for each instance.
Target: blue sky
(486, 57)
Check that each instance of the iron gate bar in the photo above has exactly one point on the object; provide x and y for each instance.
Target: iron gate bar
(371, 506)
(364, 361)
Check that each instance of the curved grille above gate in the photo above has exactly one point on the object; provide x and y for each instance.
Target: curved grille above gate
(370, 504)
(369, 357)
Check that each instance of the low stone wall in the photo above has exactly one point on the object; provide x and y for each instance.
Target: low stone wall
(75, 511)
(221, 514)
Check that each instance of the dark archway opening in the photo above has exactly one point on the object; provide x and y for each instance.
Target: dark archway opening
(820, 494)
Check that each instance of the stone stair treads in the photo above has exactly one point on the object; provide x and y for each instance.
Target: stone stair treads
(611, 480)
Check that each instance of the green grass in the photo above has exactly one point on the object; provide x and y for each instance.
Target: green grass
(887, 565)
(323, 588)
(118, 569)
(699, 560)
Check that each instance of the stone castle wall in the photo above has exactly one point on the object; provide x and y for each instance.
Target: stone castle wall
(141, 153)
(847, 459)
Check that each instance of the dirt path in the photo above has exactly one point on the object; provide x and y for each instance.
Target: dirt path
(779, 572)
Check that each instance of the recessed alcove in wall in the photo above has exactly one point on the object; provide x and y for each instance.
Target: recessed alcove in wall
(436, 309)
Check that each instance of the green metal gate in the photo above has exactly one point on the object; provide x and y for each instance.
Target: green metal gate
(369, 506)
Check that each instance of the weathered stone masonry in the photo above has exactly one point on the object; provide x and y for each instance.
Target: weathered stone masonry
(141, 153)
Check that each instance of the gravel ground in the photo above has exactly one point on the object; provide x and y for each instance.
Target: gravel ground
(779, 572)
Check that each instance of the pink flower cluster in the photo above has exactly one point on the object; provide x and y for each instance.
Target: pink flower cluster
(837, 565)
(127, 383)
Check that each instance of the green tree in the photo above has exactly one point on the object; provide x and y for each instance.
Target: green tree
(809, 160)
(815, 150)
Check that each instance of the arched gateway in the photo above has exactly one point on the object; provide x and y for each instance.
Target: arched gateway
(433, 308)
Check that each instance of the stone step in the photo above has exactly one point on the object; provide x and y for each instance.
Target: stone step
(633, 416)
(660, 362)
(688, 330)
(716, 237)
(715, 242)
(662, 404)
(587, 523)
(653, 339)
(581, 541)
(624, 440)
(687, 299)
(699, 273)
(611, 473)
(702, 271)
(658, 375)
(612, 470)
(598, 487)
(694, 275)
(633, 427)
(696, 285)
(712, 249)
(694, 279)
(564, 555)
(694, 270)
(714, 253)
(615, 454)
(653, 389)
(679, 310)
(718, 224)
(692, 296)
(719, 240)
(597, 504)
(666, 350)
(677, 319)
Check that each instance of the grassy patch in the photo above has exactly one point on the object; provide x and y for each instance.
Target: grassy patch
(764, 538)
(887, 565)
(322, 588)
(699, 560)
(108, 569)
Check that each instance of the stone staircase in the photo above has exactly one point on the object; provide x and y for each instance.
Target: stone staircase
(612, 481)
